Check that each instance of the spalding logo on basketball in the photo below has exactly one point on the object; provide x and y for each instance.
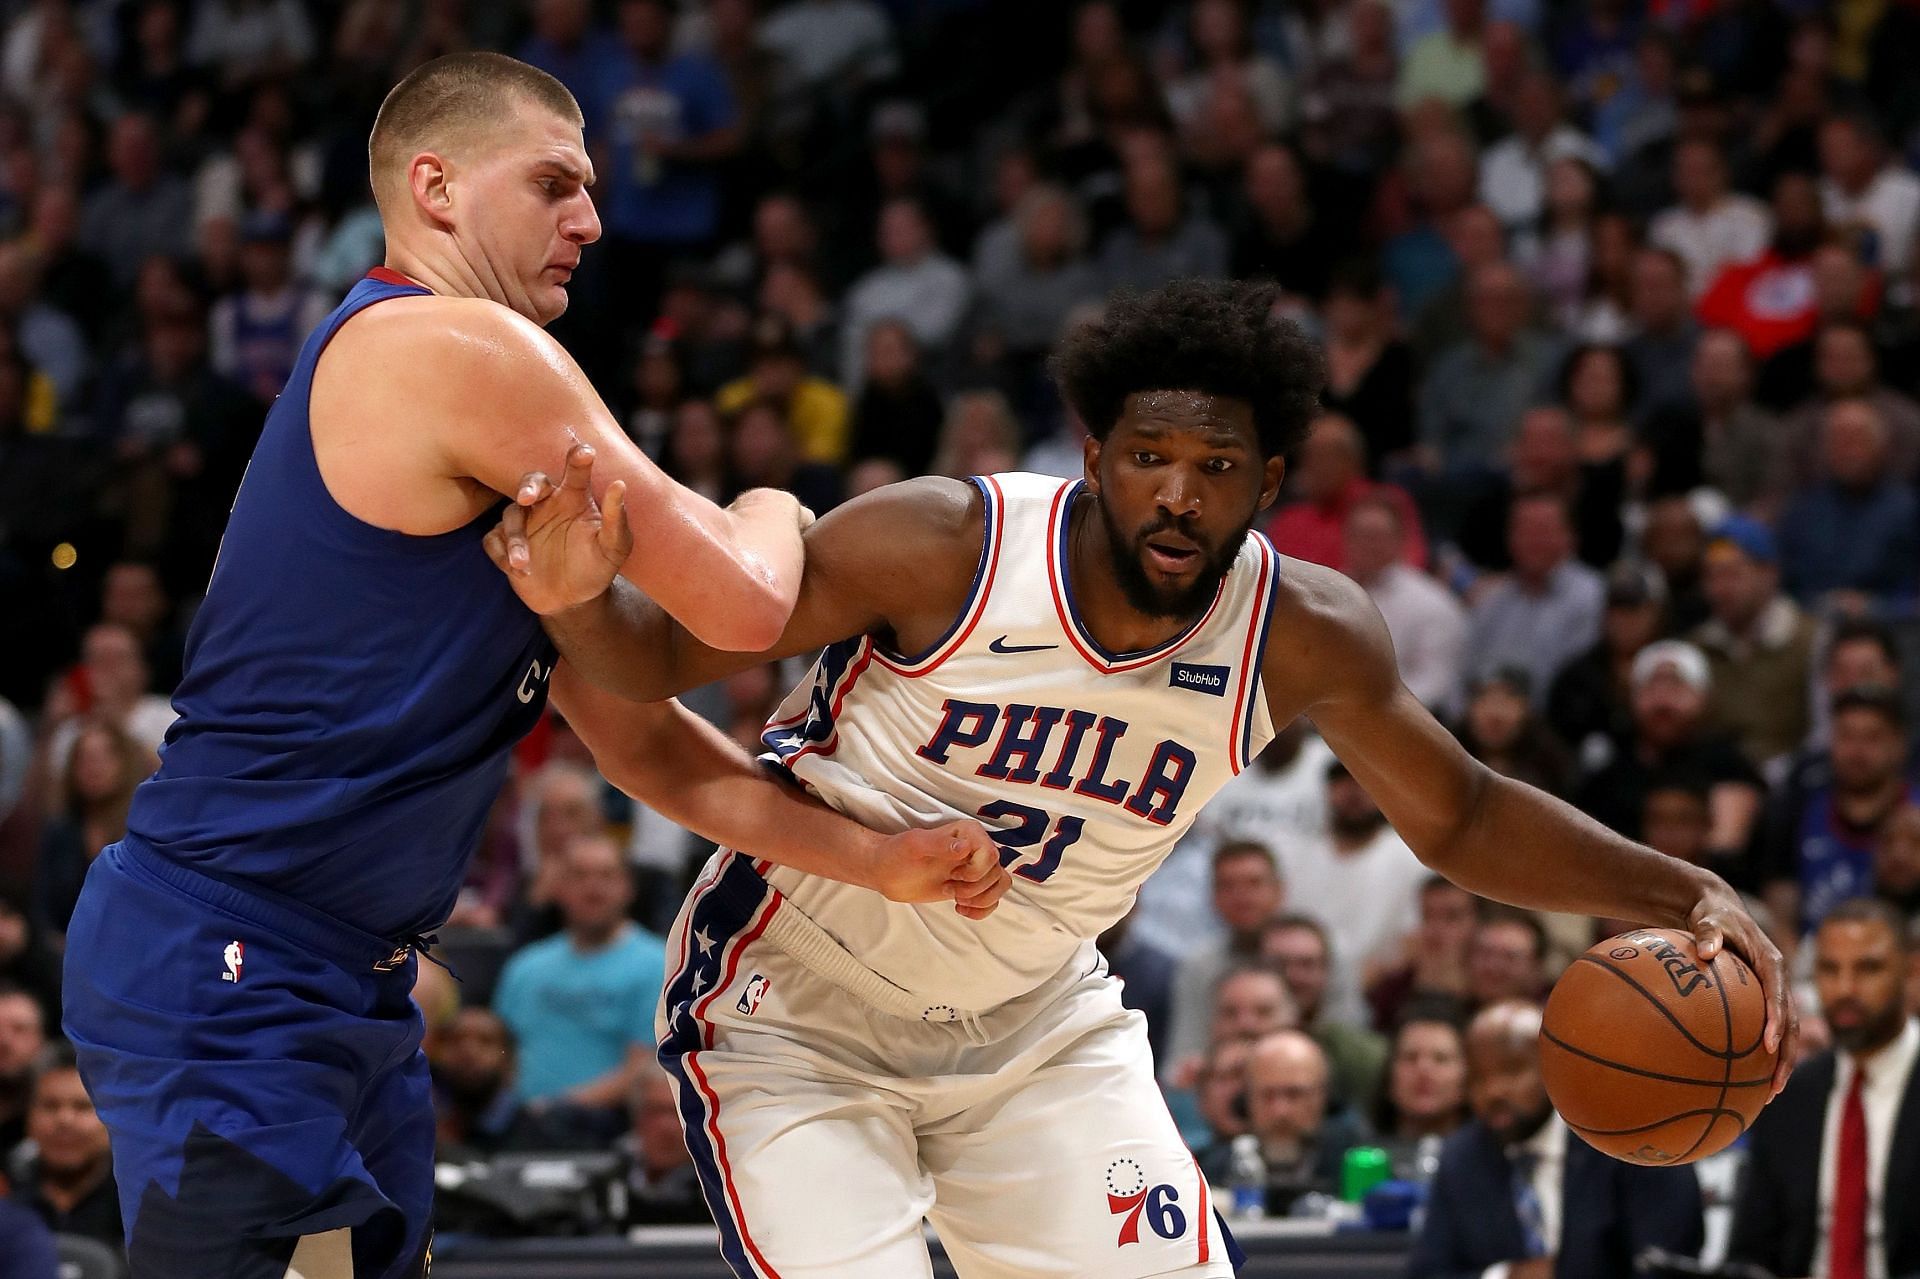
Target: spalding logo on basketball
(1652, 1056)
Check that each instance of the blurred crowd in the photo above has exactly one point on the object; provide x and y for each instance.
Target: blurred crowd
(1621, 307)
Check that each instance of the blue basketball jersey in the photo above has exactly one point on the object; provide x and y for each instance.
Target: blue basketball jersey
(350, 695)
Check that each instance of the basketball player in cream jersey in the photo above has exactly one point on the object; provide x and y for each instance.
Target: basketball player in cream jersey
(1079, 665)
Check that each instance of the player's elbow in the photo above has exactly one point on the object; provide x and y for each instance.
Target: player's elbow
(1449, 847)
(748, 619)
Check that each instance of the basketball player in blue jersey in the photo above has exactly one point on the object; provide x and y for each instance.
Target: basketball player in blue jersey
(239, 967)
(1079, 665)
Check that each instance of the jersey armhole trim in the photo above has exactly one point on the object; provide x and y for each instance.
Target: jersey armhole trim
(993, 528)
(1246, 707)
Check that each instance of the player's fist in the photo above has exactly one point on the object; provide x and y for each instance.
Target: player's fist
(957, 861)
(558, 546)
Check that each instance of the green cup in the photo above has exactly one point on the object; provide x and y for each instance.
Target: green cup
(1364, 1168)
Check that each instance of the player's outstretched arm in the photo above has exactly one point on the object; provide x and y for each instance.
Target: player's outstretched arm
(516, 402)
(1330, 656)
(682, 766)
(895, 562)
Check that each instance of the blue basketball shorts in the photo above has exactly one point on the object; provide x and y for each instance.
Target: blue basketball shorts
(258, 1067)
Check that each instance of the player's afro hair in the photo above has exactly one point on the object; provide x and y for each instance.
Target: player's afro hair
(1215, 336)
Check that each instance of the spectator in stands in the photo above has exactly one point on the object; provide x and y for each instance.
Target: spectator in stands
(1477, 389)
(567, 45)
(1670, 736)
(1758, 644)
(1545, 458)
(833, 46)
(1845, 366)
(1220, 1093)
(26, 1245)
(1844, 292)
(1421, 260)
(762, 454)
(1360, 880)
(662, 1185)
(257, 330)
(1515, 1191)
(1431, 966)
(143, 210)
(1248, 891)
(1348, 116)
(1146, 974)
(1332, 476)
(1851, 541)
(1674, 542)
(1827, 1184)
(1859, 652)
(1298, 945)
(814, 409)
(1824, 827)
(1164, 236)
(1598, 387)
(1501, 729)
(49, 338)
(28, 960)
(95, 789)
(899, 413)
(1507, 957)
(1447, 64)
(1281, 232)
(132, 595)
(1769, 299)
(1474, 239)
(1044, 277)
(1251, 999)
(1896, 864)
(1423, 1095)
(1556, 250)
(1866, 192)
(979, 436)
(110, 683)
(1427, 624)
(1303, 1137)
(1513, 172)
(1711, 225)
(1547, 611)
(1370, 371)
(23, 1041)
(477, 1113)
(1589, 701)
(696, 450)
(1720, 436)
(1223, 51)
(1659, 348)
(671, 123)
(559, 801)
(915, 283)
(69, 1179)
(581, 1003)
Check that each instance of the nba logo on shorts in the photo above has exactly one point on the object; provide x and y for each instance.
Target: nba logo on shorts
(235, 955)
(750, 997)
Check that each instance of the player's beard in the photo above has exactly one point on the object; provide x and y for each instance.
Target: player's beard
(1142, 593)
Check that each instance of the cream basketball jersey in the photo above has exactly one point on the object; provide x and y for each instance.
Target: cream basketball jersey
(1088, 765)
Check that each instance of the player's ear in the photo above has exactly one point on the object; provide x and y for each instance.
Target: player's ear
(1090, 464)
(1273, 474)
(432, 186)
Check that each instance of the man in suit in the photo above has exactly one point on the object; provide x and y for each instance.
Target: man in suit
(1517, 1196)
(1832, 1164)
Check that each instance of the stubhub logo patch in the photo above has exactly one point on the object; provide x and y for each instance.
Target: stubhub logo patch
(1201, 679)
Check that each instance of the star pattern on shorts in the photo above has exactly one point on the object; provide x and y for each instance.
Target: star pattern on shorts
(790, 741)
(699, 981)
(703, 941)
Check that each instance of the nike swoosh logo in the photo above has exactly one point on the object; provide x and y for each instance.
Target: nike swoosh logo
(1001, 646)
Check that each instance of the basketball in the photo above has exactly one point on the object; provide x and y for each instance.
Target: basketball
(1651, 1056)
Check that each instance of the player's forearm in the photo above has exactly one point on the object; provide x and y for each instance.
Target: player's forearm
(1522, 846)
(694, 775)
(730, 577)
(620, 641)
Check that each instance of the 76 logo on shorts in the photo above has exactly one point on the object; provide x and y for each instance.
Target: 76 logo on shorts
(1129, 1196)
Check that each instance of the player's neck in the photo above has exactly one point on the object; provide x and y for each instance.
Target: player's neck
(1102, 603)
(447, 275)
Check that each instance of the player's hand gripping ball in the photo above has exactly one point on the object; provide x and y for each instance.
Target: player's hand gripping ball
(1652, 1056)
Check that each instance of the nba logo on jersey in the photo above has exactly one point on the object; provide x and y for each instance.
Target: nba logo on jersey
(235, 955)
(750, 997)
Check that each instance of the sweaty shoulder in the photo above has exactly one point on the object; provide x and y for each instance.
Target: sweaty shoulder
(1327, 640)
(460, 341)
(907, 551)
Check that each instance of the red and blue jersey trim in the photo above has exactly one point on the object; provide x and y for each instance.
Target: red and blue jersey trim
(1240, 740)
(1082, 640)
(977, 593)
